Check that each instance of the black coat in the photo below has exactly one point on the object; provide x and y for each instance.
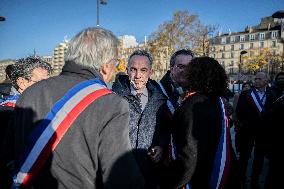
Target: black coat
(196, 134)
(147, 128)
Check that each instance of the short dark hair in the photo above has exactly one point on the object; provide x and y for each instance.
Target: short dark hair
(25, 66)
(207, 76)
(9, 70)
(141, 52)
(186, 52)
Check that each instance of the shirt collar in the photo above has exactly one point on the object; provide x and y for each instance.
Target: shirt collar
(134, 92)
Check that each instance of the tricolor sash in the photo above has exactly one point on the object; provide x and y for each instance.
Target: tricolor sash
(169, 103)
(259, 103)
(47, 135)
(222, 158)
(10, 100)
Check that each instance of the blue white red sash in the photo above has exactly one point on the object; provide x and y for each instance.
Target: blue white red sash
(10, 100)
(222, 158)
(259, 103)
(47, 135)
(171, 108)
(169, 103)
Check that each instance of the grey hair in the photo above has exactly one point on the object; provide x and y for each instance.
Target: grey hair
(140, 52)
(92, 47)
(186, 52)
(25, 66)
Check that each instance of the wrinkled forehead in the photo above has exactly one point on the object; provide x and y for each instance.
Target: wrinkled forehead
(138, 61)
(260, 76)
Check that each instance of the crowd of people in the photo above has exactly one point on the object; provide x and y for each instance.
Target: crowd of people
(72, 131)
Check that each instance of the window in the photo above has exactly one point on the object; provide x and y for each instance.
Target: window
(232, 55)
(251, 53)
(224, 48)
(273, 44)
(223, 55)
(273, 34)
(231, 67)
(242, 38)
(223, 40)
(252, 37)
(261, 36)
(232, 39)
(251, 45)
(214, 55)
(241, 46)
(261, 44)
(232, 47)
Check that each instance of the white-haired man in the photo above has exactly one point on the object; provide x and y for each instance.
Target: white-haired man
(71, 131)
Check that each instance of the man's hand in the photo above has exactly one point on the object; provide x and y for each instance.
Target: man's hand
(156, 153)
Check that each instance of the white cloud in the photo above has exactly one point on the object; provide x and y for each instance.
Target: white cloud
(128, 41)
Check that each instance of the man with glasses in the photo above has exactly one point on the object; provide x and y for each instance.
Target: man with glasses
(71, 130)
(173, 83)
(26, 72)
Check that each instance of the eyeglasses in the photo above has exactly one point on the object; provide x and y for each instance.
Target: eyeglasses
(180, 66)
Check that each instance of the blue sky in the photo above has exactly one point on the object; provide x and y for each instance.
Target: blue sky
(42, 24)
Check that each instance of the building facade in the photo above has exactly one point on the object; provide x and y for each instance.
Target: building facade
(58, 57)
(230, 49)
(3, 65)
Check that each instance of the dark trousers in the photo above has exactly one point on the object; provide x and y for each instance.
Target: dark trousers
(247, 141)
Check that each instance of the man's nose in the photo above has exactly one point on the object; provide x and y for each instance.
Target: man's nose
(138, 74)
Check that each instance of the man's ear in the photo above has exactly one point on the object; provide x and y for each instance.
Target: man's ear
(22, 84)
(104, 72)
(151, 72)
(107, 70)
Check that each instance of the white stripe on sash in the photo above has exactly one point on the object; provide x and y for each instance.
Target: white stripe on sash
(169, 103)
(259, 107)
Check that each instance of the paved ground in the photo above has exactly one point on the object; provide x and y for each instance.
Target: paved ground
(264, 171)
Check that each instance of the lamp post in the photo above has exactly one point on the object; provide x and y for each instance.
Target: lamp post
(2, 18)
(240, 67)
(103, 2)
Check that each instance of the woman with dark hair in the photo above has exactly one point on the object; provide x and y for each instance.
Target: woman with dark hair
(202, 148)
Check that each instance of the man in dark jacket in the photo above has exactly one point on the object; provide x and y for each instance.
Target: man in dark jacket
(174, 80)
(146, 104)
(94, 150)
(251, 128)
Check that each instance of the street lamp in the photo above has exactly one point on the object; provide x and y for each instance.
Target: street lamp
(2, 18)
(103, 2)
(240, 67)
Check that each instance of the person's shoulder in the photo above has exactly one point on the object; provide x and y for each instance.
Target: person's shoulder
(113, 101)
(194, 98)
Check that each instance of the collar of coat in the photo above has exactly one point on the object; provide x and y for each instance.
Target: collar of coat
(71, 68)
(122, 87)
